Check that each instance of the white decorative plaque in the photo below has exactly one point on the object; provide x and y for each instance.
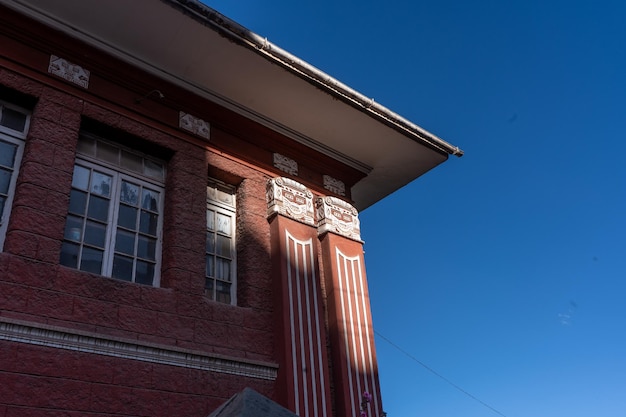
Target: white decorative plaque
(337, 216)
(291, 199)
(194, 125)
(68, 71)
(334, 185)
(285, 164)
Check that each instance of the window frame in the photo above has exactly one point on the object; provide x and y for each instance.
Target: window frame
(17, 138)
(231, 211)
(118, 175)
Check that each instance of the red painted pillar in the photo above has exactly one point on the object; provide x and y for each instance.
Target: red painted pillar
(303, 374)
(355, 370)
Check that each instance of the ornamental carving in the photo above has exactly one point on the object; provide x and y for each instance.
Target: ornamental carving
(336, 216)
(291, 199)
(285, 164)
(334, 185)
(68, 71)
(194, 125)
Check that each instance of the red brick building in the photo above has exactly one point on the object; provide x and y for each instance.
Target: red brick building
(179, 214)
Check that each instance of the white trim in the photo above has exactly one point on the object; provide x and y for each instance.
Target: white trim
(14, 137)
(87, 342)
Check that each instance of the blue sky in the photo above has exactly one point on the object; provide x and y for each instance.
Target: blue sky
(502, 270)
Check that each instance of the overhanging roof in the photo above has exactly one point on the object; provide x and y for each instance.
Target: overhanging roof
(195, 47)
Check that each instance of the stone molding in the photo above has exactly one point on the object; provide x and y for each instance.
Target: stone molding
(336, 216)
(291, 199)
(334, 185)
(194, 125)
(75, 340)
(68, 71)
(285, 164)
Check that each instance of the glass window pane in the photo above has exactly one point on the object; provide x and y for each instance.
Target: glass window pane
(7, 154)
(224, 197)
(106, 152)
(208, 287)
(2, 201)
(210, 220)
(144, 273)
(80, 179)
(210, 265)
(154, 169)
(127, 217)
(223, 224)
(222, 269)
(73, 228)
(146, 248)
(5, 180)
(101, 184)
(95, 234)
(148, 223)
(223, 246)
(125, 242)
(98, 208)
(91, 260)
(86, 146)
(150, 200)
(129, 193)
(222, 292)
(69, 255)
(122, 268)
(13, 119)
(210, 242)
(78, 202)
(132, 162)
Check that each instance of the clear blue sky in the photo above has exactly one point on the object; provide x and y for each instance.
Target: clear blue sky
(504, 270)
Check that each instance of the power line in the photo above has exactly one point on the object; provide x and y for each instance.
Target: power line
(432, 371)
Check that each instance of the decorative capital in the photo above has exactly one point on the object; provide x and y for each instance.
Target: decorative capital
(291, 199)
(337, 216)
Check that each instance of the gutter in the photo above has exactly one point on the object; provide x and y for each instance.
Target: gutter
(244, 36)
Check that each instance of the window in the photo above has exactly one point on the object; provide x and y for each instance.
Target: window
(13, 127)
(115, 214)
(220, 243)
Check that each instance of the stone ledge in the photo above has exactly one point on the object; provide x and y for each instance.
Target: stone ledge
(62, 338)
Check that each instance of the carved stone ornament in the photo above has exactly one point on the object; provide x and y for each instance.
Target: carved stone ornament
(68, 71)
(291, 199)
(334, 185)
(194, 125)
(285, 164)
(336, 216)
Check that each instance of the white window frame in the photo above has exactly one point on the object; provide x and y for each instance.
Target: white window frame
(118, 175)
(14, 137)
(231, 211)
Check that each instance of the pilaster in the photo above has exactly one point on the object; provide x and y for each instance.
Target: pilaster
(303, 375)
(355, 369)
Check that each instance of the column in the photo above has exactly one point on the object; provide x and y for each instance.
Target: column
(355, 370)
(303, 384)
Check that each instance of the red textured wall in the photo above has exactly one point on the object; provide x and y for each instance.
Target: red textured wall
(40, 381)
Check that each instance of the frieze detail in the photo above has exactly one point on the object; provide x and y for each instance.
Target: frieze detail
(334, 185)
(336, 216)
(68, 71)
(194, 125)
(60, 338)
(285, 164)
(291, 199)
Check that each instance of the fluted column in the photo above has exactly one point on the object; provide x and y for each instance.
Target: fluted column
(303, 375)
(355, 369)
